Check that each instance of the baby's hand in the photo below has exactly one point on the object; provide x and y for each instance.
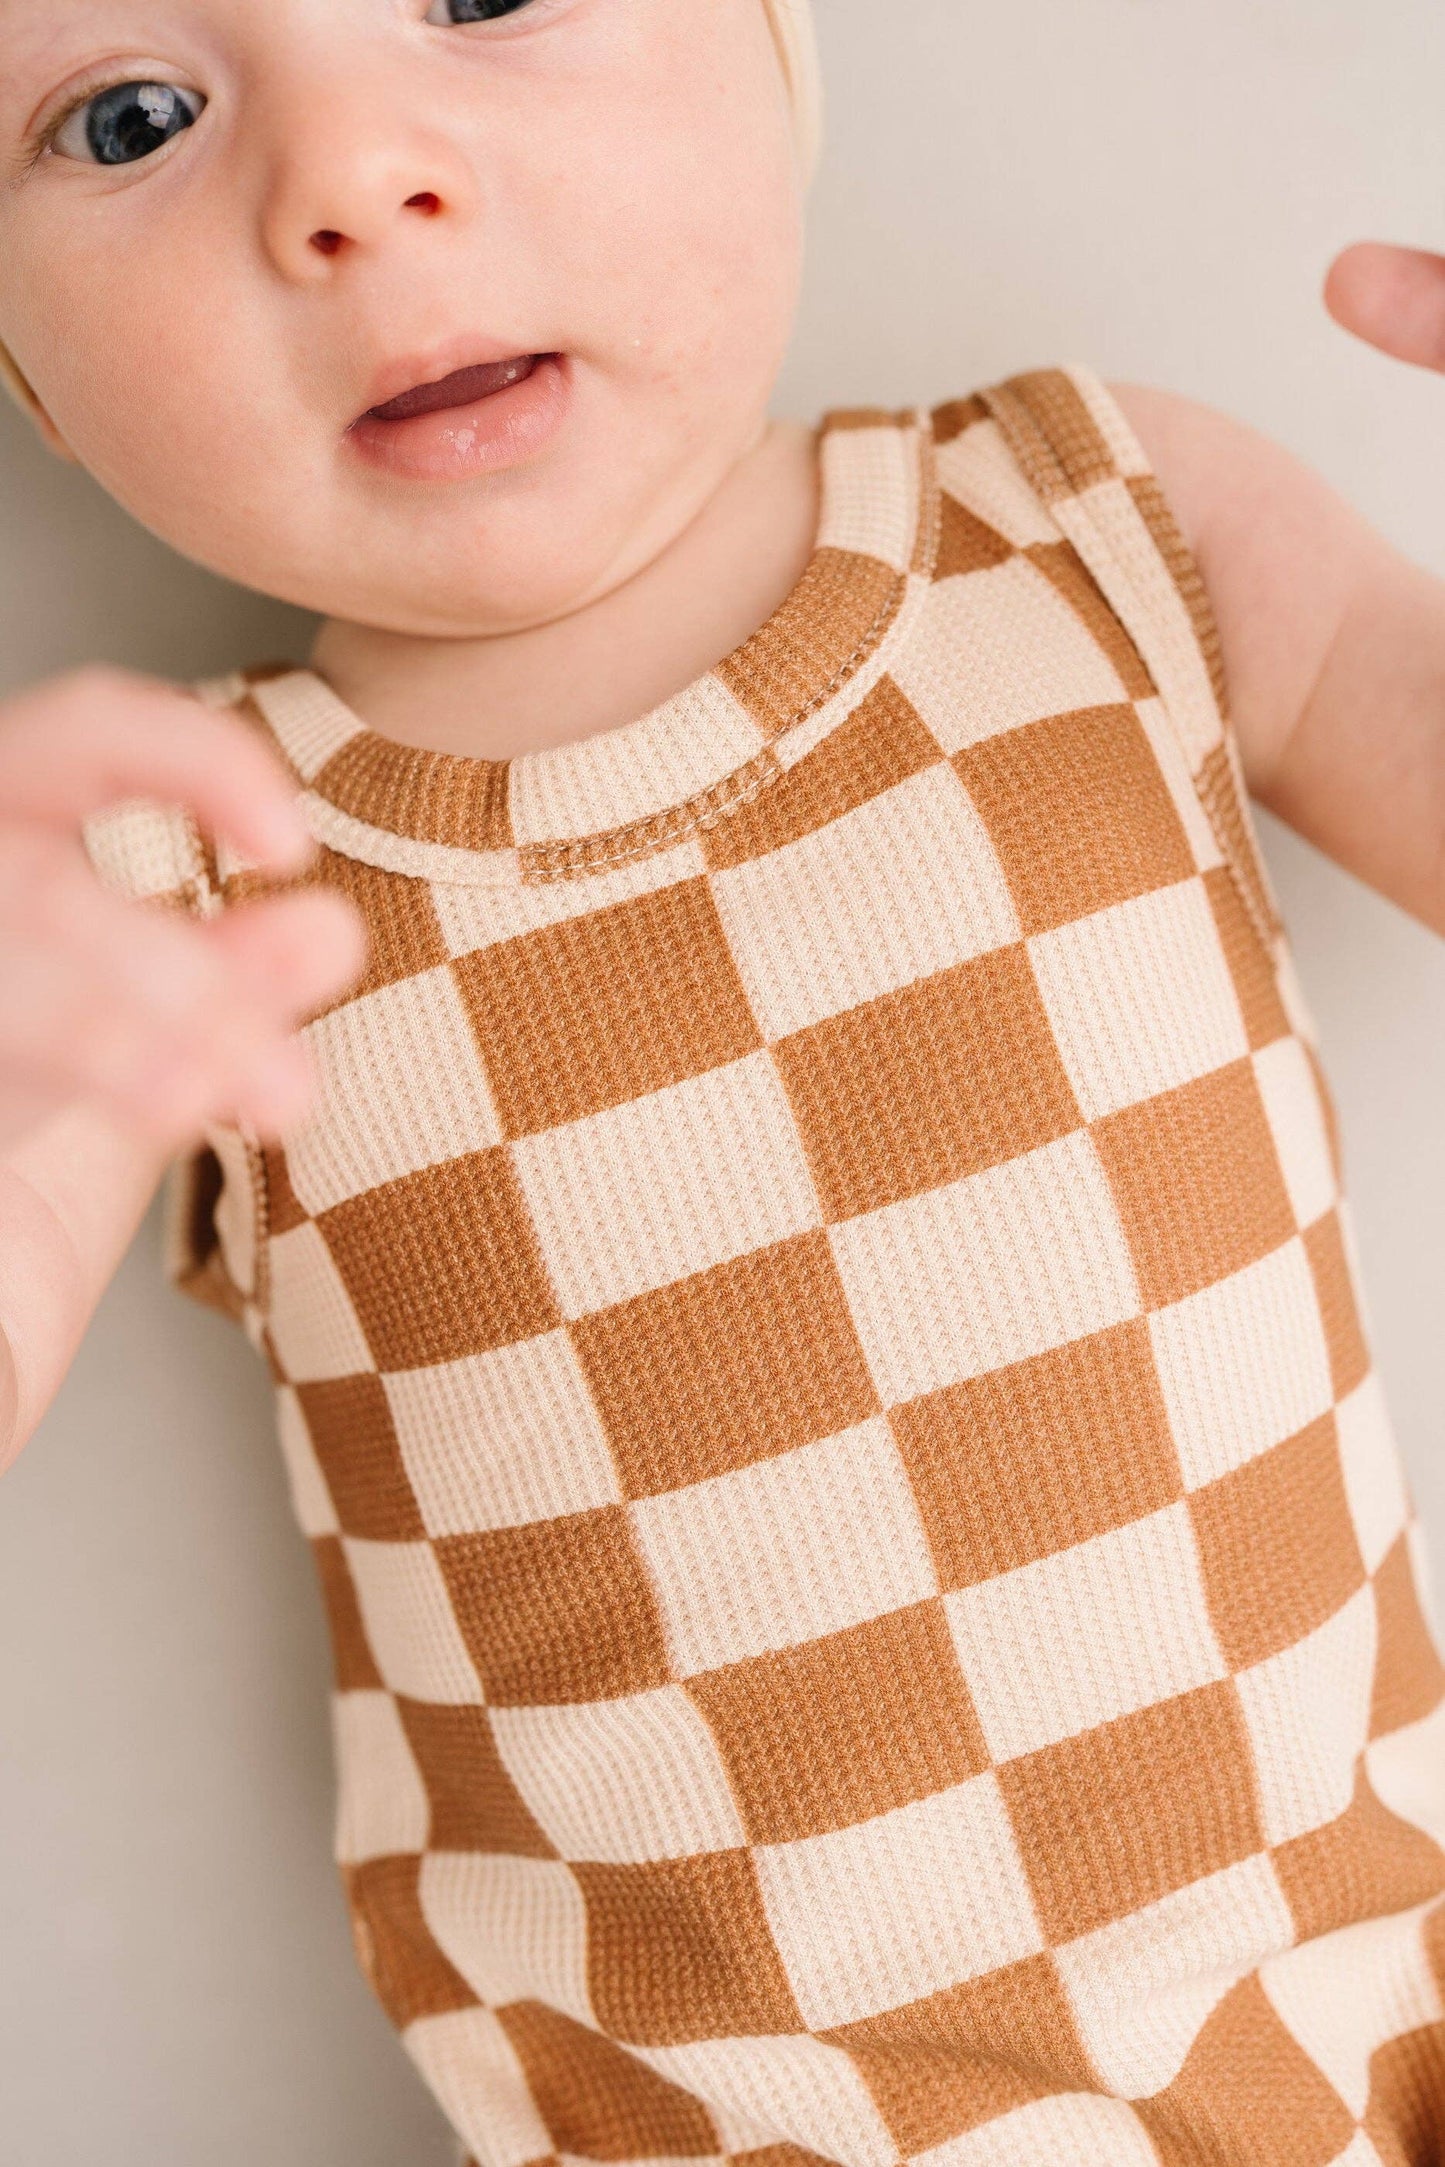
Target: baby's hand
(167, 1022)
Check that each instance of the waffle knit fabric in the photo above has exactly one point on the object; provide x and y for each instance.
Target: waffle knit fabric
(876, 1609)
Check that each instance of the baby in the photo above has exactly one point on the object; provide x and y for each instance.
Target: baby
(726, 1039)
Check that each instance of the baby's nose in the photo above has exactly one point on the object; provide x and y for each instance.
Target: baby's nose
(338, 190)
(329, 241)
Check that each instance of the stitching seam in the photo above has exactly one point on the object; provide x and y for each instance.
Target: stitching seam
(641, 838)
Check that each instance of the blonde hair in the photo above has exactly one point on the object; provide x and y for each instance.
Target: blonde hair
(797, 42)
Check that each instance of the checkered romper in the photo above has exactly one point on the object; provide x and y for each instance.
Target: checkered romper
(875, 1603)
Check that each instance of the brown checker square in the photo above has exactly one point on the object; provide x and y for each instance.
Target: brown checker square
(928, 1085)
(442, 1264)
(778, 2155)
(1248, 2091)
(1034, 1459)
(828, 626)
(284, 1209)
(1198, 1183)
(841, 1730)
(734, 1365)
(966, 543)
(1066, 571)
(558, 1611)
(405, 933)
(411, 1975)
(1118, 1817)
(1409, 1675)
(610, 1006)
(1249, 962)
(1368, 1864)
(354, 1663)
(1339, 1311)
(1078, 812)
(941, 2067)
(475, 1805)
(1278, 1546)
(351, 1431)
(598, 2101)
(881, 744)
(1406, 2118)
(682, 1950)
(955, 417)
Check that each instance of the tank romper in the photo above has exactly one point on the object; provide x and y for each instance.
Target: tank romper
(877, 1614)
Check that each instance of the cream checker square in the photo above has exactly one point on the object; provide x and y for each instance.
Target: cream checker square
(885, 1913)
(471, 2065)
(795, 2090)
(621, 775)
(1243, 1365)
(1142, 1988)
(804, 922)
(502, 1439)
(862, 470)
(310, 1498)
(1297, 1124)
(384, 1811)
(1030, 656)
(988, 1271)
(1308, 1713)
(410, 1623)
(786, 1551)
(416, 1111)
(1076, 2127)
(1140, 998)
(979, 471)
(1373, 1470)
(667, 1185)
(1030, 1647)
(622, 1781)
(1404, 1770)
(1345, 1995)
(515, 1928)
(316, 1332)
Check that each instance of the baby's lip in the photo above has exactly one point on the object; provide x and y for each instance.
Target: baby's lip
(458, 387)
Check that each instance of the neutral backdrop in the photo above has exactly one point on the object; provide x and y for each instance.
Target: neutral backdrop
(1154, 186)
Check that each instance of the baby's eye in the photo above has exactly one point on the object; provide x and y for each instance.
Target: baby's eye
(443, 12)
(126, 123)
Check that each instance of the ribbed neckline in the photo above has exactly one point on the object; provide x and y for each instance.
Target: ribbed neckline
(634, 789)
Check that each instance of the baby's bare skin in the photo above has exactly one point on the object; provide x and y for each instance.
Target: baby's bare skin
(603, 198)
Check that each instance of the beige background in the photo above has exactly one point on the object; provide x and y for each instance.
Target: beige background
(1154, 186)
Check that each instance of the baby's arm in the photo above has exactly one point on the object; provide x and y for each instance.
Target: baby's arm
(124, 1029)
(1334, 647)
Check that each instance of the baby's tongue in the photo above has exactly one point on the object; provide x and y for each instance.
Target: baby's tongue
(462, 388)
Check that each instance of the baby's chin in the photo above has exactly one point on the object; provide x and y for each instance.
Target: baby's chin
(450, 581)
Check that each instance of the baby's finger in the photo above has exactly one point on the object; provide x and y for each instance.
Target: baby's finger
(294, 951)
(72, 747)
(1393, 298)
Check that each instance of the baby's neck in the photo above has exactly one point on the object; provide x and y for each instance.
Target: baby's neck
(619, 657)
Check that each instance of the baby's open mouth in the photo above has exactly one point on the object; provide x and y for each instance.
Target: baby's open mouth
(484, 418)
(464, 387)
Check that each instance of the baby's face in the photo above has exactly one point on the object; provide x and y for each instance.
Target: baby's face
(235, 227)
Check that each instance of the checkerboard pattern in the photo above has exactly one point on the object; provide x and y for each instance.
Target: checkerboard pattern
(877, 1614)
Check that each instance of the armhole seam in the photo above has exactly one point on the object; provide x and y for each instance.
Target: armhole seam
(1071, 473)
